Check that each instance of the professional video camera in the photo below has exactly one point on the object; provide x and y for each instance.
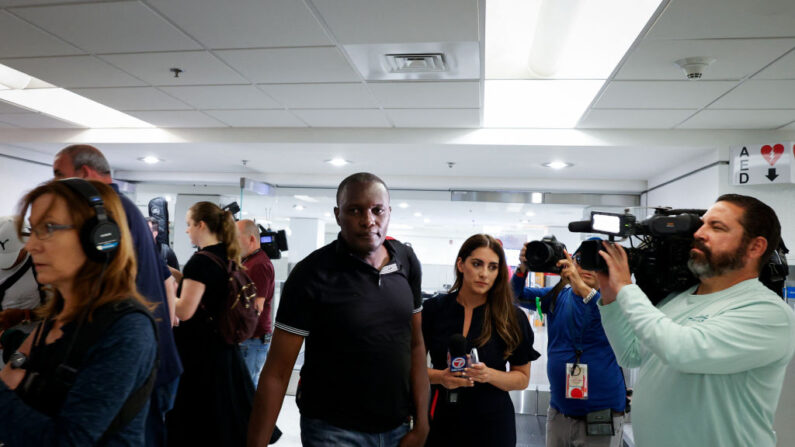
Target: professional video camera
(659, 262)
(273, 243)
(543, 255)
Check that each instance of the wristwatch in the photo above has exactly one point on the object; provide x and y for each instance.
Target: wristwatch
(18, 360)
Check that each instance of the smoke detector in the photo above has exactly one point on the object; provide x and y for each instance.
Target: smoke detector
(694, 67)
(416, 63)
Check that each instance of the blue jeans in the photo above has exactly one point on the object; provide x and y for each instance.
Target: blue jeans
(318, 433)
(254, 352)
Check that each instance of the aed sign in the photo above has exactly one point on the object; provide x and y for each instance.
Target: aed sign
(763, 164)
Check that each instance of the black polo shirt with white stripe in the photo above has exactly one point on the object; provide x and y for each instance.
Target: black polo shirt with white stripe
(357, 324)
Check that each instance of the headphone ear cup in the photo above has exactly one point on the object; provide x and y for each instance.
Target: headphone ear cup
(100, 240)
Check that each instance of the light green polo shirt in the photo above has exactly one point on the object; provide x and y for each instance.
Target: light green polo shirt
(711, 366)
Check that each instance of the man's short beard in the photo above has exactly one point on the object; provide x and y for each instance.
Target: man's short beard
(710, 267)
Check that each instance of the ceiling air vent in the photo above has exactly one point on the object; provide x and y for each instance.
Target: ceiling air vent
(416, 63)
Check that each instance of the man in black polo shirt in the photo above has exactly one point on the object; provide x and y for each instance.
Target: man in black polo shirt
(357, 304)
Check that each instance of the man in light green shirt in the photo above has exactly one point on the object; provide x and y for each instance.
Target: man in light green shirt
(712, 358)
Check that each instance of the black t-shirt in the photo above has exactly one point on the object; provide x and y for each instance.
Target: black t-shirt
(441, 318)
(202, 269)
(357, 324)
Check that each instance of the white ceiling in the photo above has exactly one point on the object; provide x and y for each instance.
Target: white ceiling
(275, 82)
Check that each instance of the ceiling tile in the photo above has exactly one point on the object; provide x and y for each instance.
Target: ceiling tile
(36, 121)
(177, 118)
(464, 118)
(661, 94)
(759, 95)
(783, 68)
(633, 118)
(735, 58)
(427, 94)
(6, 126)
(134, 98)
(367, 21)
(790, 126)
(223, 97)
(343, 118)
(245, 23)
(20, 39)
(739, 119)
(257, 118)
(8, 3)
(321, 96)
(707, 19)
(74, 71)
(198, 68)
(120, 27)
(291, 65)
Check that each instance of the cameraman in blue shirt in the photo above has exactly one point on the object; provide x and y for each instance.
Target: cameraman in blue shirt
(584, 376)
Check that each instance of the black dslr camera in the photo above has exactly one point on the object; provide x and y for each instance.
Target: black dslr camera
(543, 256)
(659, 261)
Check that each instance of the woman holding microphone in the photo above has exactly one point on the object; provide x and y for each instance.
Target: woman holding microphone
(472, 407)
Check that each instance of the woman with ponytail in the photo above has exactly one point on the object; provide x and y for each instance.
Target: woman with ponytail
(215, 392)
(472, 407)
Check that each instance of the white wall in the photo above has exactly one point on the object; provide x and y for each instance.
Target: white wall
(17, 177)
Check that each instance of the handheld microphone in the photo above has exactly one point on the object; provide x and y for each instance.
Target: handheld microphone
(458, 361)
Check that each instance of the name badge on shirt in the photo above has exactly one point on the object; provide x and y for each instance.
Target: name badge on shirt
(389, 269)
(576, 381)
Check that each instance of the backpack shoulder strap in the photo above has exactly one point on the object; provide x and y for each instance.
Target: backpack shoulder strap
(102, 319)
(218, 261)
(14, 278)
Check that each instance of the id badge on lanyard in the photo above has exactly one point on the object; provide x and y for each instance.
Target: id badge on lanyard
(576, 381)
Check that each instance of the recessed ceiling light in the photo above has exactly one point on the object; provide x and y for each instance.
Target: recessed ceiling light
(536, 197)
(558, 164)
(298, 207)
(150, 160)
(529, 214)
(338, 162)
(305, 198)
(426, 220)
(418, 214)
(326, 214)
(403, 205)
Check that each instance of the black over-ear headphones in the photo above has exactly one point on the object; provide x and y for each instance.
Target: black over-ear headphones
(99, 235)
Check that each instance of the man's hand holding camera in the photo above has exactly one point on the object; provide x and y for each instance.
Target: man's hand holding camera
(617, 275)
(570, 275)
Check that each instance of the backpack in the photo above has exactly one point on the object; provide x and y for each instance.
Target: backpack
(238, 316)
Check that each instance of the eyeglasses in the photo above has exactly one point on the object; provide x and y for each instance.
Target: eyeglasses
(46, 230)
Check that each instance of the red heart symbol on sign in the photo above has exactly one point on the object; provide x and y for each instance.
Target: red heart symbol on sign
(772, 154)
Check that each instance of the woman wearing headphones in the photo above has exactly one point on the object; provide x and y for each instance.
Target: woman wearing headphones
(472, 407)
(215, 391)
(84, 375)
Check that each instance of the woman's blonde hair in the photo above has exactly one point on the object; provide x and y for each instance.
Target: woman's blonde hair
(500, 314)
(118, 279)
(221, 224)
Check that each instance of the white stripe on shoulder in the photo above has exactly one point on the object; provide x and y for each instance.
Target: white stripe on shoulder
(292, 330)
(419, 309)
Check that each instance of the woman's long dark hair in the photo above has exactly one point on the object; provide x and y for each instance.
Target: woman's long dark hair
(500, 314)
(221, 224)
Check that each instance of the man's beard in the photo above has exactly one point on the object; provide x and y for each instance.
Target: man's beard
(709, 266)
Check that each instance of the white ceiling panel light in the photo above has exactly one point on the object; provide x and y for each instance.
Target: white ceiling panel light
(305, 198)
(26, 91)
(547, 59)
(537, 103)
(150, 160)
